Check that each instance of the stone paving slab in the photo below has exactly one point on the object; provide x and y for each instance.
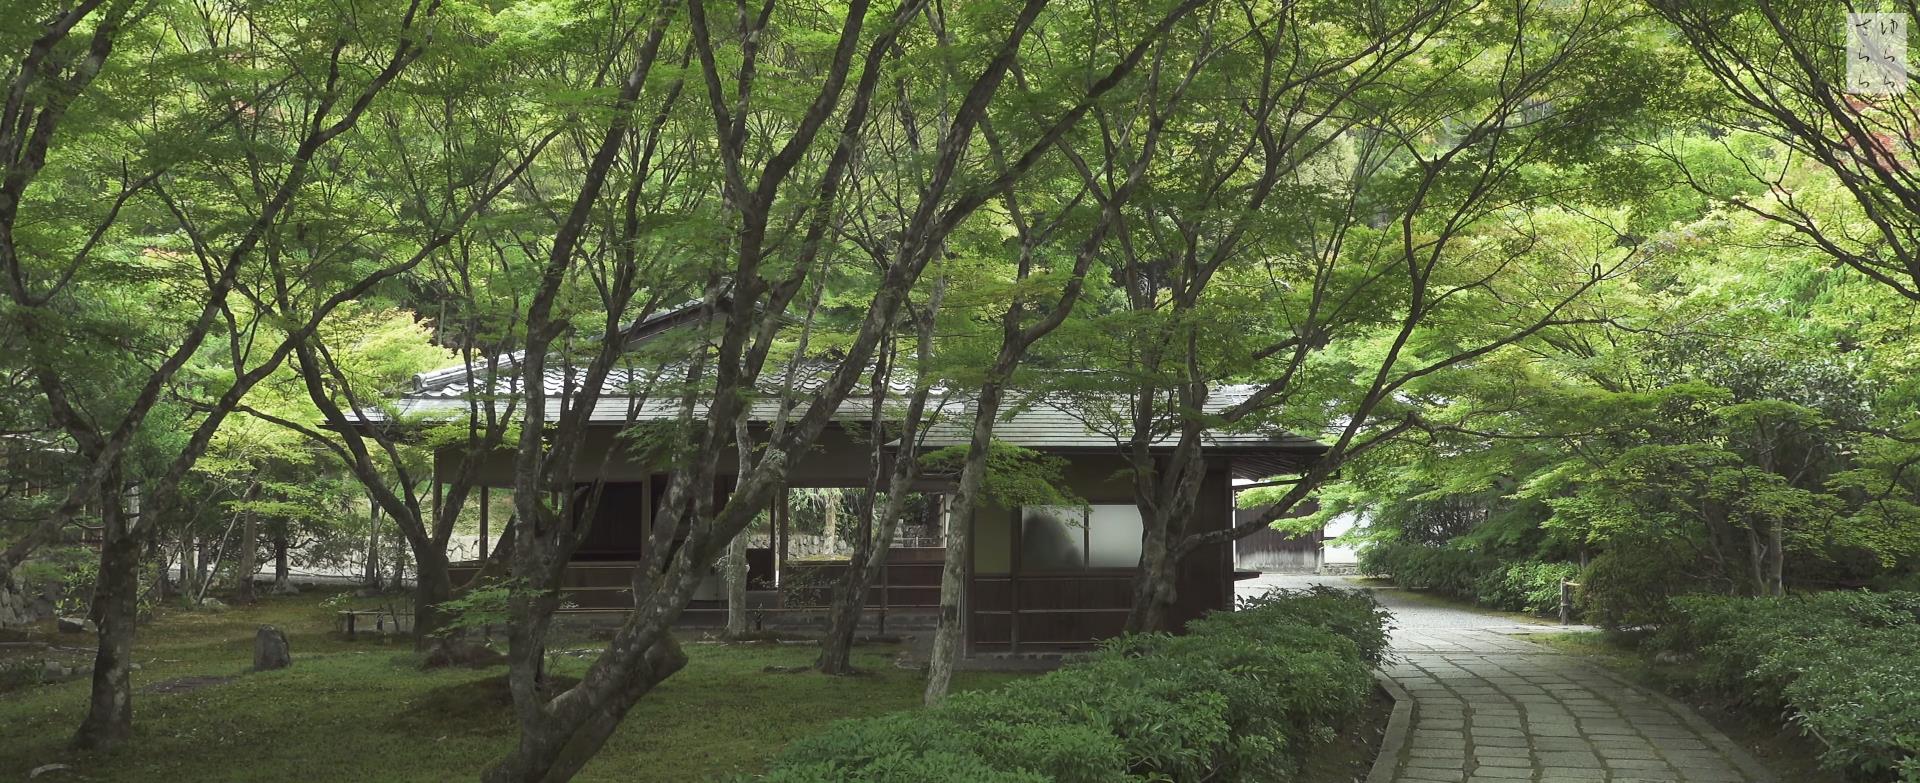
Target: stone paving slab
(1487, 706)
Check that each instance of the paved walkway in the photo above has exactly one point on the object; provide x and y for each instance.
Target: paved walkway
(1490, 707)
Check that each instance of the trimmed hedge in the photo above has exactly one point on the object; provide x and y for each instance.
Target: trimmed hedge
(1241, 696)
(1845, 665)
(1524, 586)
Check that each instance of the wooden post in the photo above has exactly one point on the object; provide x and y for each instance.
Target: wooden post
(1566, 602)
(780, 536)
(486, 499)
(1016, 535)
(886, 593)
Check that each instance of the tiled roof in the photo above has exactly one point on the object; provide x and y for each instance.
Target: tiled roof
(1051, 422)
(645, 393)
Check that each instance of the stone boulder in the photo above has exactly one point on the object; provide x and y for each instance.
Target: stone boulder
(270, 650)
(76, 625)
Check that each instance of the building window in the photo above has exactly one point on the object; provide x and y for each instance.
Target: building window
(1073, 538)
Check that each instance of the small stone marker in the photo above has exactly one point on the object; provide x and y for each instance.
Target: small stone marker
(270, 649)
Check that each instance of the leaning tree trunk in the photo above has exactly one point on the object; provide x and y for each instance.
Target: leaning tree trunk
(953, 573)
(558, 750)
(863, 569)
(109, 719)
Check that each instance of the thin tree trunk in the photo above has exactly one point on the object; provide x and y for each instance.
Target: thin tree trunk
(869, 558)
(870, 546)
(734, 563)
(187, 566)
(1777, 560)
(282, 576)
(244, 592)
(203, 568)
(399, 571)
(162, 573)
(109, 719)
(830, 526)
(736, 576)
(373, 547)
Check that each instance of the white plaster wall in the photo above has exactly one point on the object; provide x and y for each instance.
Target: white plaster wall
(1333, 552)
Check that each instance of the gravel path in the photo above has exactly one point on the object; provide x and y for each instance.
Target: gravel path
(1487, 706)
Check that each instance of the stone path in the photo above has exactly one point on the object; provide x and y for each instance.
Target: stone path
(1487, 706)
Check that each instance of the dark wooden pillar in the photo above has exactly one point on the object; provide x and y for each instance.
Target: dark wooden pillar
(486, 504)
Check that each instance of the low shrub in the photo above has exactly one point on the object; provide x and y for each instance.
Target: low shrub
(1523, 586)
(1845, 665)
(1629, 588)
(1241, 696)
(1444, 570)
(1528, 586)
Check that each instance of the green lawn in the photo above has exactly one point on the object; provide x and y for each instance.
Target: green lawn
(361, 711)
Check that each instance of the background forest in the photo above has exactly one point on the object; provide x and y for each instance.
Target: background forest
(1623, 293)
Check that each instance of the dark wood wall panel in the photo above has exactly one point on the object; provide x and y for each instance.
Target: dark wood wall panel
(1069, 628)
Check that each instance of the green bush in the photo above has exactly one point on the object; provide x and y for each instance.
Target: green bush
(1241, 696)
(1351, 614)
(1633, 587)
(1846, 666)
(1529, 586)
(1524, 586)
(1445, 570)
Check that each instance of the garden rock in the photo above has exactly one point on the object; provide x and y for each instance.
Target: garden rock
(1670, 657)
(270, 650)
(448, 654)
(14, 610)
(76, 625)
(46, 769)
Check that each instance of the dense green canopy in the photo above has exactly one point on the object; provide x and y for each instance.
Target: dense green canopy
(1609, 288)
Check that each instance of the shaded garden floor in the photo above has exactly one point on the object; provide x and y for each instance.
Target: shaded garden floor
(363, 710)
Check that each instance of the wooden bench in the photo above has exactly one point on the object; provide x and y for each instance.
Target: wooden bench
(351, 622)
